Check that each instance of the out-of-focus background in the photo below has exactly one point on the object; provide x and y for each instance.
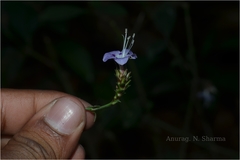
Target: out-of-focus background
(184, 81)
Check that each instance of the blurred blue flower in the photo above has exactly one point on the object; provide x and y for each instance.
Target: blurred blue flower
(207, 95)
(121, 57)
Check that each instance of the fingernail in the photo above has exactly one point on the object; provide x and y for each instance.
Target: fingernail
(64, 116)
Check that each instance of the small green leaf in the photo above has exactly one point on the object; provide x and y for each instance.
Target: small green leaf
(78, 58)
(60, 13)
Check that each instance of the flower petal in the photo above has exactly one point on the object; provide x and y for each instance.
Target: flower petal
(121, 61)
(132, 55)
(110, 55)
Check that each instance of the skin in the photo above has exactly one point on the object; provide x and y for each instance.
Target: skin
(25, 135)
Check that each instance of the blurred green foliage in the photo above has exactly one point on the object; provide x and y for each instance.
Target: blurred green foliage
(78, 59)
(60, 13)
(60, 45)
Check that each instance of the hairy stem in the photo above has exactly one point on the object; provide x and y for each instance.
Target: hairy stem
(96, 107)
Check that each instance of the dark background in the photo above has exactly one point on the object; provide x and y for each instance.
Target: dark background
(182, 48)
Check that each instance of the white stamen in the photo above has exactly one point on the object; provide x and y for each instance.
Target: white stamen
(132, 42)
(127, 42)
(133, 35)
(124, 41)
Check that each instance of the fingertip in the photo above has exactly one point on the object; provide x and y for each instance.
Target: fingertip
(90, 116)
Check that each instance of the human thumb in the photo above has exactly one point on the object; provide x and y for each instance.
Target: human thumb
(52, 133)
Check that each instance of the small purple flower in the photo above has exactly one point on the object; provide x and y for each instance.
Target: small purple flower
(121, 57)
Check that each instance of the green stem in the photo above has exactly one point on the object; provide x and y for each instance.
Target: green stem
(95, 108)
